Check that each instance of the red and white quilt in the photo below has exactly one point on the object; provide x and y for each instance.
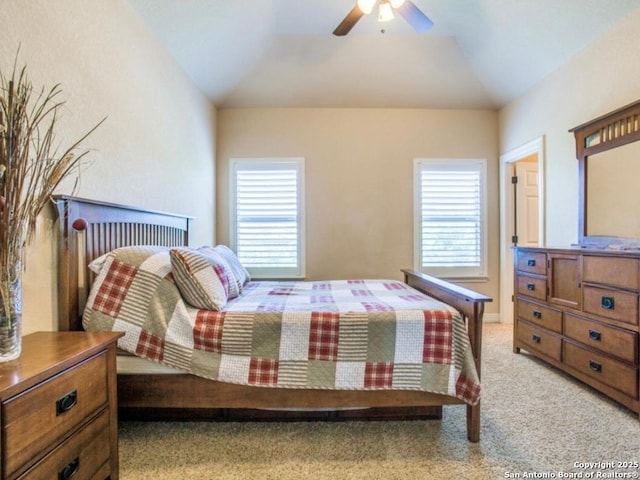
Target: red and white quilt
(347, 334)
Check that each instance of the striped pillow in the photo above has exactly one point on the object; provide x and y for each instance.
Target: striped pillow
(203, 280)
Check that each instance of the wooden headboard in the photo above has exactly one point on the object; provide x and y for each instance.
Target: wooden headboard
(89, 229)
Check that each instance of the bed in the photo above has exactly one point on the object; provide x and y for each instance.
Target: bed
(91, 229)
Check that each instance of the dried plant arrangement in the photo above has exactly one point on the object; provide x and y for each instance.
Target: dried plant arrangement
(32, 166)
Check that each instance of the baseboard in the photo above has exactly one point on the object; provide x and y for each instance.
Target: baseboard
(491, 318)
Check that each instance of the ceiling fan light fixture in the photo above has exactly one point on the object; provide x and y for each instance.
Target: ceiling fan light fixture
(386, 12)
(408, 10)
(366, 6)
(396, 3)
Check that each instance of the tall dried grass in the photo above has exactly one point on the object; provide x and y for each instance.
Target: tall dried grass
(32, 166)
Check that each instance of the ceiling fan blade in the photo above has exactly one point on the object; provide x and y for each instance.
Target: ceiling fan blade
(349, 21)
(414, 17)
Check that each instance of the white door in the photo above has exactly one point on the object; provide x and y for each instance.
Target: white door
(531, 219)
(527, 216)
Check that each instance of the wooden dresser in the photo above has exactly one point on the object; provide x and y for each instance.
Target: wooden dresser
(577, 309)
(58, 415)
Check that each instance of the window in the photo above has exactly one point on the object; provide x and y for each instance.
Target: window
(267, 221)
(450, 217)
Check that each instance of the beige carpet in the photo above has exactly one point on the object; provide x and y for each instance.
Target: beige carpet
(535, 421)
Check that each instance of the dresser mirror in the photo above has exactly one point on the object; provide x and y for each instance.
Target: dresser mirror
(613, 202)
(608, 152)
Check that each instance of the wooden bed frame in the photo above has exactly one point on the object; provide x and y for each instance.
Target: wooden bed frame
(91, 228)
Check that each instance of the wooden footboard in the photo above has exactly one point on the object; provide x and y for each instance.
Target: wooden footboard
(471, 305)
(89, 228)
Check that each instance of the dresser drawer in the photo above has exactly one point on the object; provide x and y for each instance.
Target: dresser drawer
(534, 287)
(614, 304)
(37, 418)
(618, 375)
(539, 340)
(85, 456)
(532, 262)
(546, 317)
(618, 342)
(616, 272)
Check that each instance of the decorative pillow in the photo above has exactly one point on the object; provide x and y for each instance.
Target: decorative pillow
(234, 280)
(214, 258)
(239, 271)
(203, 280)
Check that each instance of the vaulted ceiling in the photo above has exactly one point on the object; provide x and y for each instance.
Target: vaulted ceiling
(281, 53)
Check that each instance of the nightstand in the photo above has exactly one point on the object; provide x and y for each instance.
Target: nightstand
(58, 416)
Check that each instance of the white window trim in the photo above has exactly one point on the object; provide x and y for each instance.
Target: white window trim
(459, 273)
(298, 164)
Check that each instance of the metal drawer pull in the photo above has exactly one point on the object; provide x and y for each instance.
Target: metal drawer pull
(531, 286)
(531, 262)
(536, 338)
(595, 366)
(537, 314)
(66, 403)
(607, 303)
(70, 470)
(595, 335)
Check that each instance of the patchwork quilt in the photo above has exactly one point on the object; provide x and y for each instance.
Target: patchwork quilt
(347, 334)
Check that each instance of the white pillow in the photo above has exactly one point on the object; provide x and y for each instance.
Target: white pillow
(232, 259)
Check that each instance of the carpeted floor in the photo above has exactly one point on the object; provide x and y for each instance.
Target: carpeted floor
(536, 423)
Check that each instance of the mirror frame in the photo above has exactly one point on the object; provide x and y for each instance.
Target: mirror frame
(617, 128)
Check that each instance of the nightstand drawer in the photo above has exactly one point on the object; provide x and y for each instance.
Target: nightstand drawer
(618, 375)
(540, 340)
(544, 316)
(85, 456)
(618, 342)
(35, 419)
(612, 304)
(535, 287)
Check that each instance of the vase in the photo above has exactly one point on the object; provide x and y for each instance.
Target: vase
(11, 318)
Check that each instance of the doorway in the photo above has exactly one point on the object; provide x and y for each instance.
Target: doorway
(522, 212)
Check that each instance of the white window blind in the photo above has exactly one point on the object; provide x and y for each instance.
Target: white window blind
(267, 221)
(450, 217)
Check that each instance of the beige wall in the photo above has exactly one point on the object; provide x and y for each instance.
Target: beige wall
(603, 77)
(358, 167)
(157, 147)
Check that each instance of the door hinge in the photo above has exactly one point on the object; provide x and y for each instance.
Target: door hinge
(514, 239)
(514, 179)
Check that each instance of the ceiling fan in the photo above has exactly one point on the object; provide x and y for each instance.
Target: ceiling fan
(412, 14)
